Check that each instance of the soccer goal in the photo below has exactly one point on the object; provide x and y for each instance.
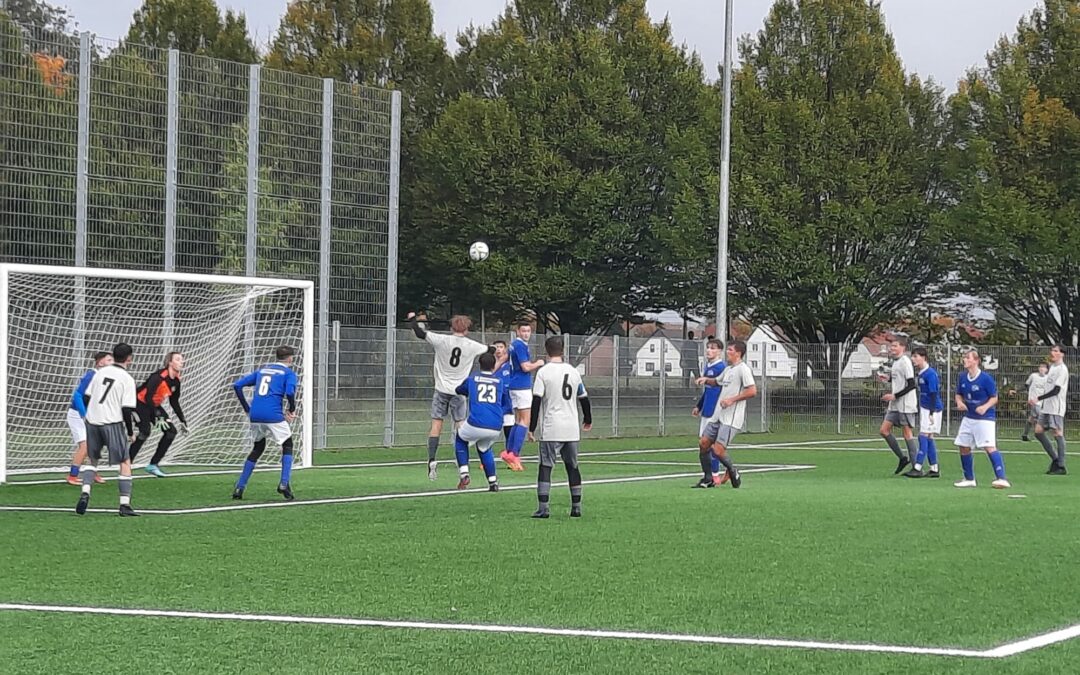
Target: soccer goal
(53, 319)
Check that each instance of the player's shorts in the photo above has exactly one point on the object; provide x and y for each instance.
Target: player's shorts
(702, 426)
(449, 404)
(1047, 421)
(929, 421)
(1034, 411)
(550, 451)
(716, 432)
(976, 434)
(111, 436)
(77, 426)
(509, 420)
(521, 398)
(482, 438)
(279, 431)
(900, 419)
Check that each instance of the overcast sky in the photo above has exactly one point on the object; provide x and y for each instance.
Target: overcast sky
(938, 38)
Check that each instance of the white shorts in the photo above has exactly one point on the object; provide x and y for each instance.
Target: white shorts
(77, 426)
(509, 420)
(279, 431)
(977, 434)
(521, 398)
(482, 438)
(929, 422)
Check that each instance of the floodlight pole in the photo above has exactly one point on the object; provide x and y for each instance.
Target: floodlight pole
(725, 187)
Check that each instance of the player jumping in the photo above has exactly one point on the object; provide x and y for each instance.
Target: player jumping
(274, 383)
(76, 418)
(163, 384)
(488, 397)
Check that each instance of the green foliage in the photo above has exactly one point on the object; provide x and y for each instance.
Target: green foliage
(836, 158)
(195, 27)
(1015, 168)
(580, 151)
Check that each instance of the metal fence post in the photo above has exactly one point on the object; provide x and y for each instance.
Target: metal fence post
(948, 388)
(392, 270)
(251, 248)
(322, 400)
(615, 360)
(764, 394)
(839, 387)
(660, 427)
(82, 192)
(171, 149)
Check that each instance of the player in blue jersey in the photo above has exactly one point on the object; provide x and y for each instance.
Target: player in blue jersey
(977, 397)
(76, 415)
(930, 407)
(488, 397)
(520, 394)
(706, 406)
(275, 384)
(506, 371)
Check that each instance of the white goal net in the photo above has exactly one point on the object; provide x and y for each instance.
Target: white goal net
(53, 319)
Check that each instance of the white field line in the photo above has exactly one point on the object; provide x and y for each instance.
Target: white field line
(357, 465)
(392, 495)
(1009, 649)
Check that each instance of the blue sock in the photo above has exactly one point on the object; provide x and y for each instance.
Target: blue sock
(931, 450)
(286, 468)
(920, 457)
(461, 451)
(998, 462)
(249, 468)
(715, 464)
(968, 463)
(517, 439)
(487, 458)
(74, 470)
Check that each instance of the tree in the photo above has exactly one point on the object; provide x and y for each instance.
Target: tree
(38, 15)
(1016, 172)
(580, 150)
(836, 177)
(195, 27)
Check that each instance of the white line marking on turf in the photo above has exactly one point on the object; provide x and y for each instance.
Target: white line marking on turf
(1037, 642)
(520, 630)
(392, 495)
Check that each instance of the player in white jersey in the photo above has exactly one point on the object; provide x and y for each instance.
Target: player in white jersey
(109, 413)
(557, 392)
(1052, 406)
(454, 357)
(1036, 384)
(903, 403)
(737, 386)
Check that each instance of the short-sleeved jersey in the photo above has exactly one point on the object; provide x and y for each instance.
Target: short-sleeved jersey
(733, 381)
(519, 354)
(454, 357)
(79, 398)
(559, 387)
(273, 383)
(505, 372)
(1057, 376)
(902, 371)
(111, 390)
(712, 391)
(158, 387)
(930, 390)
(1036, 384)
(488, 397)
(976, 391)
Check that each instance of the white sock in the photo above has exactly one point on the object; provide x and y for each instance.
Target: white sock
(125, 499)
(86, 489)
(918, 467)
(933, 467)
(493, 479)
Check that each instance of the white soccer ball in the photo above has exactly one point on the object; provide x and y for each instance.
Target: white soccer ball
(478, 251)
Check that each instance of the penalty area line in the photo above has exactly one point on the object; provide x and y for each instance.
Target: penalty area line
(505, 629)
(393, 495)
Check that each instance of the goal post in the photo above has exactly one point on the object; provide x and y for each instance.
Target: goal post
(53, 318)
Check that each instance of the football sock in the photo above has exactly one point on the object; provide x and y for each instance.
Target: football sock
(517, 439)
(286, 461)
(998, 462)
(245, 475)
(912, 447)
(706, 465)
(1045, 442)
(968, 463)
(487, 458)
(715, 463)
(1027, 428)
(124, 484)
(931, 452)
(88, 473)
(573, 475)
(432, 447)
(726, 461)
(461, 451)
(163, 445)
(543, 487)
(894, 446)
(1060, 450)
(506, 432)
(74, 471)
(921, 457)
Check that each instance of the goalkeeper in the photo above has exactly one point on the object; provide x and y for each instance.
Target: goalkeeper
(163, 384)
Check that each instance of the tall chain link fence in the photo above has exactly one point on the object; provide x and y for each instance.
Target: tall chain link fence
(120, 155)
